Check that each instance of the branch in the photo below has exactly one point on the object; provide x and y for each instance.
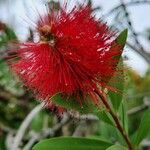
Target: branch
(80, 129)
(137, 109)
(141, 108)
(9, 141)
(76, 115)
(24, 126)
(139, 95)
(132, 3)
(129, 22)
(49, 132)
(88, 117)
(6, 129)
(144, 54)
(115, 118)
(145, 143)
(139, 48)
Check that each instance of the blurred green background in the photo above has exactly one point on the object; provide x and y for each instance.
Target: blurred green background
(16, 102)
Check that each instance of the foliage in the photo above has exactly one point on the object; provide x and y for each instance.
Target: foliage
(16, 102)
(68, 143)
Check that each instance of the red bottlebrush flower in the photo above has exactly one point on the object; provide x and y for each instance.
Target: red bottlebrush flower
(76, 54)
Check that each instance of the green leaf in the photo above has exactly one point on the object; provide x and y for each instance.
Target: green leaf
(86, 108)
(37, 122)
(109, 132)
(71, 143)
(7, 36)
(7, 80)
(116, 97)
(143, 130)
(104, 116)
(123, 115)
(10, 34)
(122, 38)
(117, 147)
(72, 103)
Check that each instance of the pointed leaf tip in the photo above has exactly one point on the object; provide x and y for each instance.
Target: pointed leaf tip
(121, 39)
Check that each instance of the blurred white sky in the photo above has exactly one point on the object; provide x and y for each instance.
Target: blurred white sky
(18, 14)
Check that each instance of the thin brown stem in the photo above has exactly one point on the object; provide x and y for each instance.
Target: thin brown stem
(116, 119)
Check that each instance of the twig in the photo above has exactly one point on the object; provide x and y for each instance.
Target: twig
(78, 116)
(9, 140)
(50, 132)
(88, 117)
(131, 3)
(145, 143)
(137, 109)
(140, 50)
(29, 145)
(80, 129)
(24, 126)
(6, 128)
(116, 119)
(144, 54)
(129, 22)
(138, 95)
(141, 108)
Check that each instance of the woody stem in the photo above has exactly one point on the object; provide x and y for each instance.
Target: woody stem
(116, 120)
